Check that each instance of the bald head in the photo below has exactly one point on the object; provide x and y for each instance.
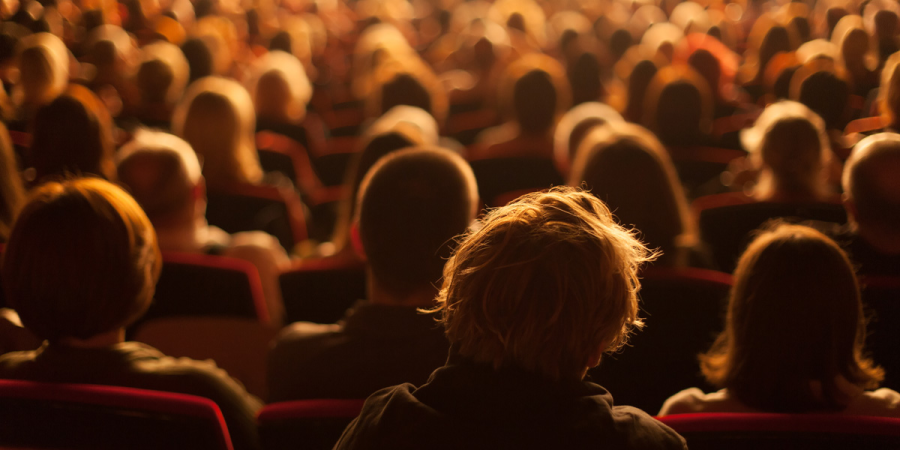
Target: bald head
(872, 185)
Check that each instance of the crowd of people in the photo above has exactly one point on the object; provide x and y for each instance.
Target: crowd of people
(503, 173)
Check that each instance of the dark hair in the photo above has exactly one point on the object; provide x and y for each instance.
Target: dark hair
(534, 101)
(826, 95)
(82, 260)
(794, 318)
(405, 89)
(199, 58)
(411, 205)
(584, 76)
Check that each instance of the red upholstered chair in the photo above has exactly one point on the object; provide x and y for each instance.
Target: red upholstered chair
(785, 431)
(197, 285)
(320, 291)
(57, 415)
(310, 424)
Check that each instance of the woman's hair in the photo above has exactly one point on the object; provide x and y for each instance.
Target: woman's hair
(12, 193)
(82, 260)
(279, 87)
(72, 135)
(625, 166)
(767, 38)
(889, 92)
(216, 117)
(789, 143)
(546, 284)
(43, 67)
(574, 126)
(795, 326)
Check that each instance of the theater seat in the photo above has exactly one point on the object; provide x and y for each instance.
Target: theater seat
(277, 210)
(308, 424)
(197, 285)
(79, 416)
(684, 311)
(719, 431)
(321, 291)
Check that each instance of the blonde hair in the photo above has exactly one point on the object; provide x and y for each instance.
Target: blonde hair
(216, 117)
(266, 74)
(166, 58)
(546, 283)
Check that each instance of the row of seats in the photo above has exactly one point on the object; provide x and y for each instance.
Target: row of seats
(40, 415)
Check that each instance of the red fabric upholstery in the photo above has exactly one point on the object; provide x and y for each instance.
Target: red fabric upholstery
(116, 408)
(310, 424)
(310, 409)
(322, 290)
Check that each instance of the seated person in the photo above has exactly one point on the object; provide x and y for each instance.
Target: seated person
(80, 266)
(158, 84)
(530, 301)
(163, 174)
(872, 200)
(794, 333)
(411, 205)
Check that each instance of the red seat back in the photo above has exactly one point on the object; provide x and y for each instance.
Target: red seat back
(59, 415)
(321, 291)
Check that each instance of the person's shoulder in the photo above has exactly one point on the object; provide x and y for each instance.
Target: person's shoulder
(304, 332)
(688, 401)
(883, 402)
(641, 431)
(382, 418)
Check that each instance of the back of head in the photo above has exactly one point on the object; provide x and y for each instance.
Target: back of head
(871, 183)
(216, 117)
(889, 91)
(817, 86)
(161, 172)
(545, 285)
(411, 205)
(70, 138)
(404, 89)
(678, 106)
(279, 87)
(638, 80)
(43, 67)
(163, 74)
(709, 67)
(795, 325)
(574, 126)
(199, 58)
(535, 92)
(82, 260)
(626, 167)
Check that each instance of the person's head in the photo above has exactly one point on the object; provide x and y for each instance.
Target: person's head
(279, 87)
(113, 54)
(43, 68)
(410, 206)
(406, 80)
(547, 284)
(854, 48)
(82, 260)
(199, 58)
(678, 106)
(794, 327)
(216, 117)
(625, 166)
(871, 185)
(889, 91)
(789, 145)
(12, 193)
(535, 92)
(162, 74)
(767, 38)
(818, 86)
(636, 70)
(162, 173)
(72, 135)
(574, 126)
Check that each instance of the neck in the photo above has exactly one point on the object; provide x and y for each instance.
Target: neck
(101, 340)
(420, 297)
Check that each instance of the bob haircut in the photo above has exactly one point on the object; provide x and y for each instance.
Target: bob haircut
(546, 283)
(626, 166)
(869, 181)
(82, 260)
(535, 92)
(795, 324)
(279, 87)
(163, 73)
(411, 205)
(216, 117)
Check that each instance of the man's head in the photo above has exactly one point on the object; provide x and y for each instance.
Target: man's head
(872, 188)
(163, 174)
(547, 284)
(411, 205)
(82, 260)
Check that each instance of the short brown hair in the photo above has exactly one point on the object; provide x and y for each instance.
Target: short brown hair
(794, 317)
(82, 260)
(543, 284)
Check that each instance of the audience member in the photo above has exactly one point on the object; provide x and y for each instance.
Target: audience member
(872, 200)
(626, 167)
(80, 266)
(12, 193)
(574, 126)
(794, 334)
(43, 63)
(160, 81)
(411, 205)
(530, 301)
(162, 173)
(280, 91)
